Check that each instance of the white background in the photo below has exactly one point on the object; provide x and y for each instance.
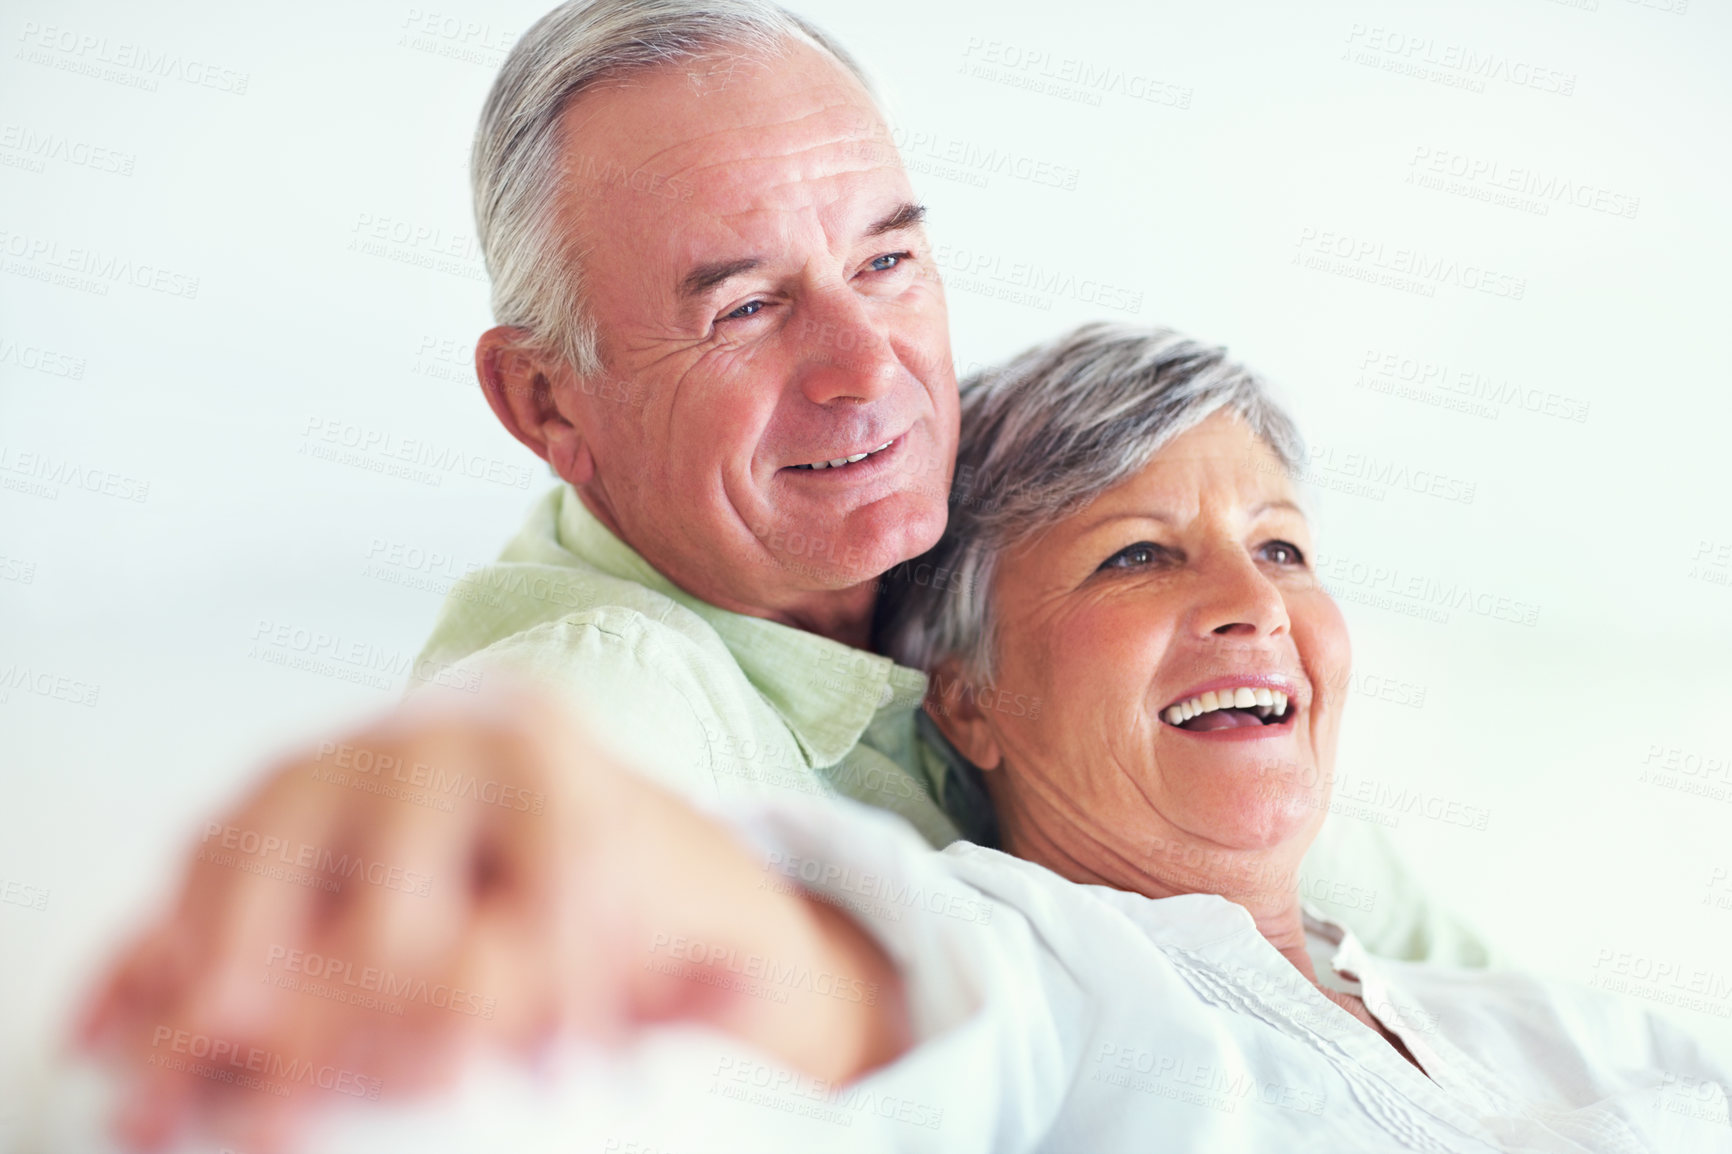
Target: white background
(1275, 130)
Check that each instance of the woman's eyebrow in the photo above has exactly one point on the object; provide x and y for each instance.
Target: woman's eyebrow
(1109, 518)
(1169, 519)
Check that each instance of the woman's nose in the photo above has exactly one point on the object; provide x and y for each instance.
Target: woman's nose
(1239, 600)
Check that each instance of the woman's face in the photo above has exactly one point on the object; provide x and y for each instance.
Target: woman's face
(1190, 580)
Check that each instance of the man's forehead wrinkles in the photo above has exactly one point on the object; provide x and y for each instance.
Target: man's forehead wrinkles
(792, 188)
(759, 141)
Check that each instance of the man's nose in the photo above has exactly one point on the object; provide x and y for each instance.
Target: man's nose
(844, 354)
(1239, 600)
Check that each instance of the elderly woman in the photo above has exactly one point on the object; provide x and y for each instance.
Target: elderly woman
(1129, 552)
(1139, 674)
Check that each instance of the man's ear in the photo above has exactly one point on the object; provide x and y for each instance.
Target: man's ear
(951, 704)
(519, 384)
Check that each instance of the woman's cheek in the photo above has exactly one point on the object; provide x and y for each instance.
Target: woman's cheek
(1320, 632)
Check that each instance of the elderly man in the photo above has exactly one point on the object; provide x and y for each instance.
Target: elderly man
(721, 325)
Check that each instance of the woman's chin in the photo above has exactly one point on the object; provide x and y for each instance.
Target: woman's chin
(1262, 820)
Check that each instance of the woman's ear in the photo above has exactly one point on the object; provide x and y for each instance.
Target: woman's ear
(950, 702)
(519, 387)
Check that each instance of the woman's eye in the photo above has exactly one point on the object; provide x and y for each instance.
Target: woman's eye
(1135, 556)
(1283, 553)
(750, 308)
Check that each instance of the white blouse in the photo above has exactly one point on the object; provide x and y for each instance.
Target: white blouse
(1051, 1016)
(1107, 1021)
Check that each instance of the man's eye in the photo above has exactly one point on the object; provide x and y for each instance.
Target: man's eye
(888, 261)
(750, 308)
(1283, 553)
(1135, 556)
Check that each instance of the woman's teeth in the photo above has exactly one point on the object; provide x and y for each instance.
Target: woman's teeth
(840, 461)
(1266, 703)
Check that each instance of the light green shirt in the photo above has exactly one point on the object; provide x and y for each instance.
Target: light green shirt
(711, 703)
(715, 704)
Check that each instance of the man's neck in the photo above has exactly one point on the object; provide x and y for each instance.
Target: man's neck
(843, 615)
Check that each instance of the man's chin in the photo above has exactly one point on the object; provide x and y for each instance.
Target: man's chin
(869, 542)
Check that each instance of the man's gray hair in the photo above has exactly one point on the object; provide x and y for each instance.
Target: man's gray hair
(1042, 437)
(515, 165)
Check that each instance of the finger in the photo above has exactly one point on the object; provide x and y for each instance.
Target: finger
(407, 897)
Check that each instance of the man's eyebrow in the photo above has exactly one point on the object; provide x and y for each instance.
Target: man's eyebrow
(905, 215)
(705, 277)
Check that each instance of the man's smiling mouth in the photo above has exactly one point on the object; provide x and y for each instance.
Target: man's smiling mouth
(844, 462)
(1237, 707)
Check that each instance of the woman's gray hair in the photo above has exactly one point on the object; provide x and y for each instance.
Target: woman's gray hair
(1043, 436)
(515, 165)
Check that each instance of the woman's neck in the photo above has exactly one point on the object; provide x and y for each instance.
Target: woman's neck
(1264, 882)
(1084, 857)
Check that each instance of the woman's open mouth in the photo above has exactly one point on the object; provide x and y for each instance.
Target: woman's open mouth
(1239, 707)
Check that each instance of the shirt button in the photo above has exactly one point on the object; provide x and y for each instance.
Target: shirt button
(885, 694)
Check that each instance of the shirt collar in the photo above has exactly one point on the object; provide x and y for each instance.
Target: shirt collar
(826, 692)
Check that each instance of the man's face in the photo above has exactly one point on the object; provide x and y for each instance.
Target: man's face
(766, 297)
